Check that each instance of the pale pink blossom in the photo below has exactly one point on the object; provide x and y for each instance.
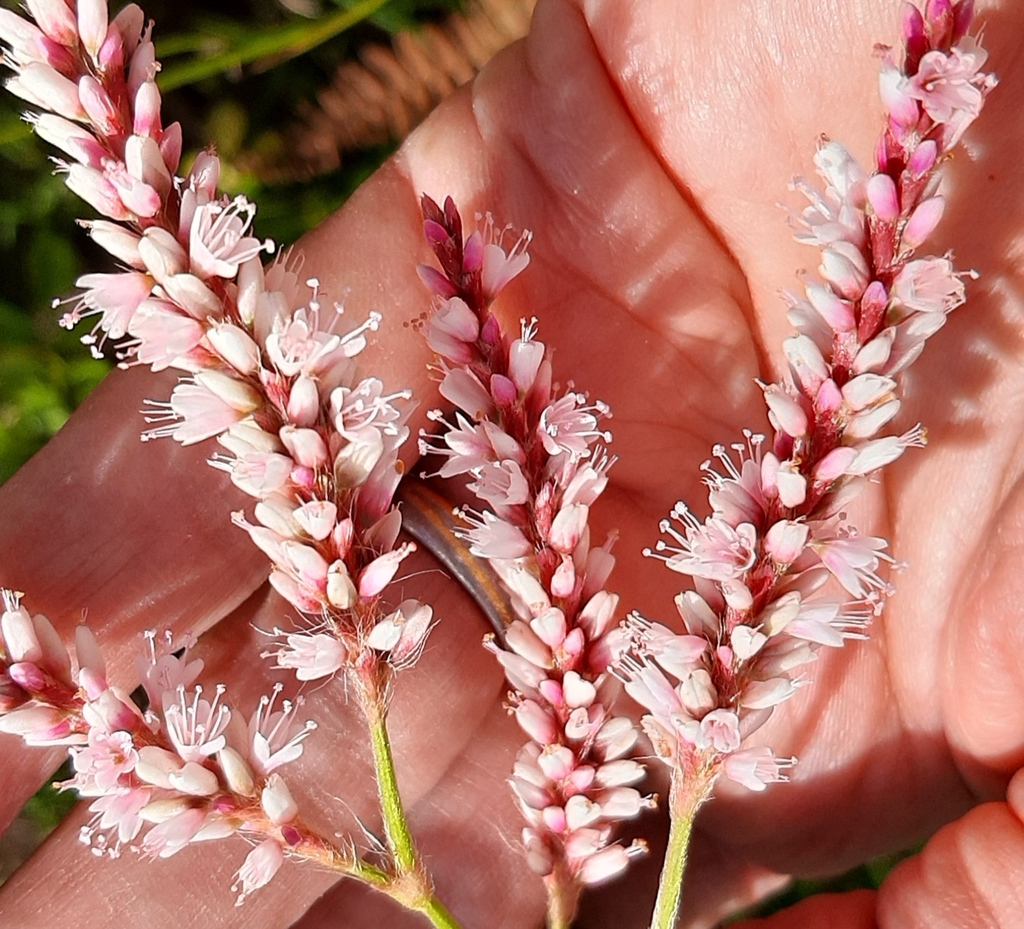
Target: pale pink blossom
(218, 239)
(260, 865)
(311, 656)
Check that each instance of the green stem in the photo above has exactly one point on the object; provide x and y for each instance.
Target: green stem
(283, 43)
(412, 886)
(438, 914)
(687, 795)
(396, 827)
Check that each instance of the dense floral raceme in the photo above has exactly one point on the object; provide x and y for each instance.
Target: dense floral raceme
(777, 533)
(269, 372)
(537, 459)
(187, 768)
(269, 366)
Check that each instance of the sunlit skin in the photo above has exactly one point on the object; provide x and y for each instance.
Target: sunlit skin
(646, 144)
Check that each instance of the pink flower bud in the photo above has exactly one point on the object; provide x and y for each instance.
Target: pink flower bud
(829, 398)
(807, 362)
(760, 695)
(94, 188)
(304, 401)
(42, 86)
(567, 527)
(581, 812)
(923, 221)
(144, 162)
(883, 198)
(160, 811)
(70, 138)
(28, 676)
(21, 35)
(864, 425)
(524, 358)
(746, 642)
(836, 312)
(154, 766)
(237, 773)
(923, 159)
(536, 722)
(161, 254)
(790, 484)
(140, 198)
(550, 627)
(563, 581)
(875, 353)
(120, 242)
(92, 24)
(834, 465)
(306, 446)
(56, 19)
(277, 801)
(577, 691)
(597, 614)
(786, 409)
(380, 572)
(844, 267)
(556, 761)
(147, 110)
(99, 107)
(866, 390)
(170, 148)
(785, 541)
(195, 780)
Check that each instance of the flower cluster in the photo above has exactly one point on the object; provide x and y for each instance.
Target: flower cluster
(185, 769)
(777, 530)
(267, 374)
(534, 455)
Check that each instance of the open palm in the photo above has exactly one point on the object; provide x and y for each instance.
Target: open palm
(646, 143)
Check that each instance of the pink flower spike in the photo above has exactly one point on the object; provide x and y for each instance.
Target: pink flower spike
(260, 865)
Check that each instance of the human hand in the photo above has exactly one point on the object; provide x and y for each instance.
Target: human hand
(646, 146)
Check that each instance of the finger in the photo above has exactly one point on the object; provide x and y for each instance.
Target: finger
(968, 876)
(854, 910)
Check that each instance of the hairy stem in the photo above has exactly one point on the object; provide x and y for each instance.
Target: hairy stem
(412, 886)
(396, 827)
(690, 788)
(563, 898)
